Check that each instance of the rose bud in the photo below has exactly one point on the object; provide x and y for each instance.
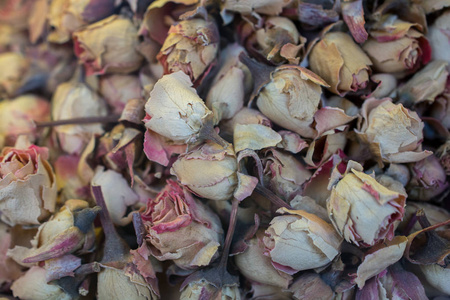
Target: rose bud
(437, 276)
(175, 110)
(18, 115)
(387, 83)
(217, 179)
(356, 194)
(70, 230)
(393, 133)
(341, 63)
(14, 66)
(191, 47)
(299, 241)
(284, 174)
(291, 99)
(28, 192)
(181, 228)
(117, 193)
(117, 89)
(33, 286)
(439, 37)
(428, 179)
(222, 100)
(65, 17)
(425, 85)
(279, 41)
(254, 265)
(75, 100)
(396, 46)
(108, 46)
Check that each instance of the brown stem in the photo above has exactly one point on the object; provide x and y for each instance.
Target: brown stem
(208, 133)
(138, 228)
(277, 201)
(79, 121)
(230, 233)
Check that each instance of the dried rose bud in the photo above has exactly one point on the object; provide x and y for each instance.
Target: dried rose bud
(299, 241)
(437, 276)
(181, 228)
(396, 46)
(117, 89)
(28, 192)
(439, 37)
(17, 117)
(76, 100)
(393, 132)
(65, 17)
(362, 210)
(284, 174)
(280, 40)
(292, 98)
(191, 47)
(342, 63)
(108, 46)
(217, 179)
(33, 285)
(222, 100)
(15, 66)
(387, 83)
(428, 179)
(254, 265)
(426, 84)
(117, 193)
(175, 110)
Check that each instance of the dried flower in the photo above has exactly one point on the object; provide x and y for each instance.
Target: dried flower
(342, 63)
(108, 46)
(198, 290)
(117, 89)
(292, 98)
(311, 286)
(65, 17)
(299, 241)
(217, 179)
(362, 210)
(437, 276)
(175, 110)
(244, 117)
(254, 265)
(10, 269)
(28, 192)
(191, 47)
(15, 66)
(181, 228)
(247, 7)
(396, 46)
(387, 83)
(439, 38)
(17, 117)
(393, 132)
(73, 100)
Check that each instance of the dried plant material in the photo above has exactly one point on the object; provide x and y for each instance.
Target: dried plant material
(317, 13)
(386, 85)
(439, 38)
(160, 149)
(174, 109)
(341, 63)
(72, 100)
(33, 285)
(15, 67)
(393, 132)
(248, 7)
(321, 149)
(27, 185)
(397, 46)
(191, 47)
(291, 99)
(10, 269)
(299, 241)
(254, 137)
(426, 84)
(353, 14)
(311, 286)
(430, 6)
(108, 46)
(218, 180)
(362, 210)
(117, 89)
(437, 277)
(176, 216)
(245, 116)
(380, 258)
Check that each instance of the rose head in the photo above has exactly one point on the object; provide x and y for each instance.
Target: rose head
(362, 210)
(341, 62)
(208, 171)
(27, 185)
(181, 228)
(298, 241)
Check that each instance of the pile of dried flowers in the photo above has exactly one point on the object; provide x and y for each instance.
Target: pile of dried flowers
(224, 149)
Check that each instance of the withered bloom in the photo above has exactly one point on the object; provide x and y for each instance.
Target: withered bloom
(191, 47)
(341, 62)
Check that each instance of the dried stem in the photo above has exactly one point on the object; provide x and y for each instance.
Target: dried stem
(139, 228)
(277, 201)
(230, 233)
